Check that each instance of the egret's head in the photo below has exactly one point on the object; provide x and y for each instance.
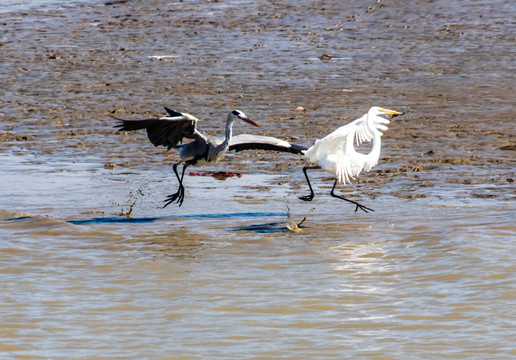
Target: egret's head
(237, 115)
(378, 122)
(376, 110)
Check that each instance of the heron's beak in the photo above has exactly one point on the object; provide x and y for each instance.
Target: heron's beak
(390, 112)
(251, 122)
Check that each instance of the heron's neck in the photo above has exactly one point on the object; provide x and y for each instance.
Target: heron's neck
(229, 133)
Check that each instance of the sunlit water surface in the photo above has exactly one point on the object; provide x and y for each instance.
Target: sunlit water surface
(419, 277)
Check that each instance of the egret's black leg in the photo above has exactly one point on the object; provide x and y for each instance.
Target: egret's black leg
(180, 194)
(362, 207)
(311, 196)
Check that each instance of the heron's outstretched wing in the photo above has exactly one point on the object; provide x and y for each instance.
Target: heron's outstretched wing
(258, 142)
(168, 130)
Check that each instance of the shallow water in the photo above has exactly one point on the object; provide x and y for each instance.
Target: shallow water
(420, 278)
(8, 6)
(92, 266)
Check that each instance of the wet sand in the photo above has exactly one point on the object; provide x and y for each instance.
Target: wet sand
(64, 73)
(91, 263)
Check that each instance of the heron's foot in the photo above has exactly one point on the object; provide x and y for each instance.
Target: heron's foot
(306, 197)
(362, 207)
(179, 196)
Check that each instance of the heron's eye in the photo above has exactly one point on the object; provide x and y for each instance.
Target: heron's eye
(236, 113)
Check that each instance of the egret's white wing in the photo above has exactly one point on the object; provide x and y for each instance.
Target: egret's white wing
(364, 133)
(336, 139)
(331, 144)
(349, 162)
(335, 153)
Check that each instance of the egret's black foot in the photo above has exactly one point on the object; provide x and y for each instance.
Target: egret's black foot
(358, 206)
(362, 207)
(179, 196)
(306, 197)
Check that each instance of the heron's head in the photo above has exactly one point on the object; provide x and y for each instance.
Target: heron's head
(237, 115)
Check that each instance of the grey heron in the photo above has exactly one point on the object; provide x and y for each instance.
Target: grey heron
(170, 130)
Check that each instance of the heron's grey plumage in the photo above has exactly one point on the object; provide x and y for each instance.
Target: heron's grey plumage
(172, 129)
(168, 131)
(258, 142)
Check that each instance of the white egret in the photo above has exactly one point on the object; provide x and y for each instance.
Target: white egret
(336, 152)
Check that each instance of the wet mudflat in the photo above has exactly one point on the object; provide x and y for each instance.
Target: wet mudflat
(91, 265)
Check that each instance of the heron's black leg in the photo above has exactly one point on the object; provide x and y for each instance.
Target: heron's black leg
(182, 188)
(362, 207)
(311, 196)
(180, 194)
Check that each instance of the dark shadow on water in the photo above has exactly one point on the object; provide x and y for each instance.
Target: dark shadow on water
(18, 218)
(109, 220)
(267, 228)
(117, 219)
(272, 227)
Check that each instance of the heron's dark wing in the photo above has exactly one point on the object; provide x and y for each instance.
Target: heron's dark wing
(167, 131)
(173, 113)
(258, 142)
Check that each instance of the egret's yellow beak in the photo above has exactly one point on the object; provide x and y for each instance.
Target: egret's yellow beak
(390, 112)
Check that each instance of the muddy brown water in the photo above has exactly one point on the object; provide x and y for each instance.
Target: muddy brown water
(91, 266)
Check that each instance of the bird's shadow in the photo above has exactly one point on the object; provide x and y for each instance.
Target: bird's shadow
(271, 227)
(267, 228)
(129, 220)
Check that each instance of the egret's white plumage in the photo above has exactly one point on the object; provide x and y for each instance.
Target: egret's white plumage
(336, 152)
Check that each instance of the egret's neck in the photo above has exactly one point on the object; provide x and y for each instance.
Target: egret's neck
(374, 155)
(370, 125)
